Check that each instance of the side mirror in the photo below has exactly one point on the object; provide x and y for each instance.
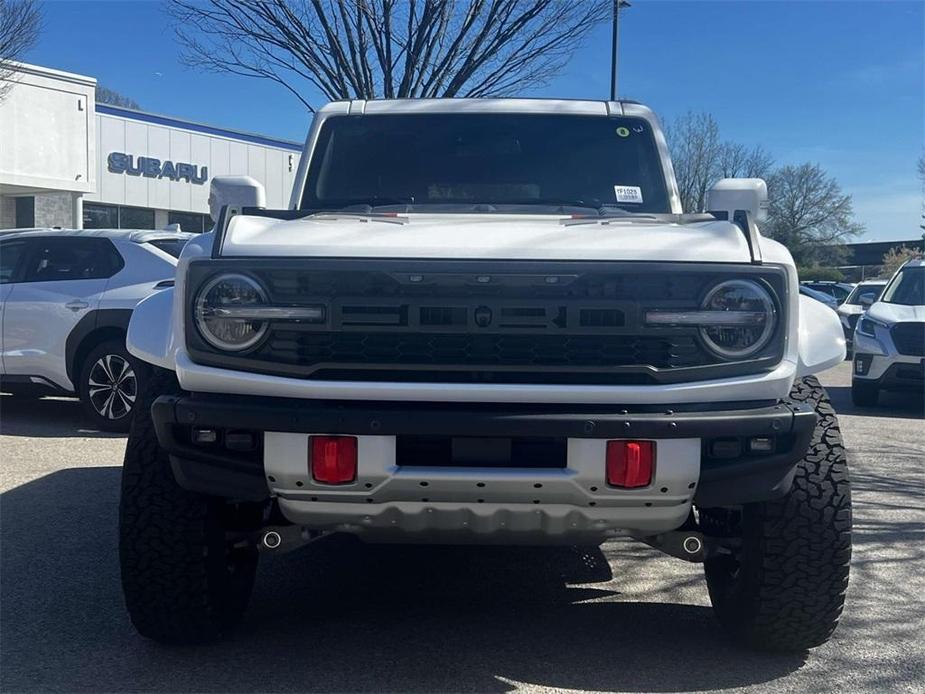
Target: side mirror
(732, 194)
(866, 301)
(235, 191)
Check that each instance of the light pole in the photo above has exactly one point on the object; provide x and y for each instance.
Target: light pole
(615, 40)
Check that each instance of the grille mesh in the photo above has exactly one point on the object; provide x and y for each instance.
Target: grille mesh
(473, 351)
(909, 338)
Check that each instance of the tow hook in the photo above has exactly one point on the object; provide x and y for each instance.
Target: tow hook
(683, 544)
(280, 539)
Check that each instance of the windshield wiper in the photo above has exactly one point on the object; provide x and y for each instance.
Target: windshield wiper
(367, 204)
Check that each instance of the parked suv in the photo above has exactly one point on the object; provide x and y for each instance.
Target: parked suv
(66, 297)
(837, 290)
(889, 340)
(821, 297)
(487, 321)
(861, 298)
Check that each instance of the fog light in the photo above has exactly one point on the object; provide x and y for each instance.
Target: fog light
(333, 459)
(862, 364)
(760, 444)
(630, 463)
(205, 436)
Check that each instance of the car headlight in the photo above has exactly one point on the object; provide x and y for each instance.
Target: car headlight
(744, 318)
(736, 319)
(867, 327)
(225, 312)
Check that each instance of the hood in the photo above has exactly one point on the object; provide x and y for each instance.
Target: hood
(488, 236)
(896, 313)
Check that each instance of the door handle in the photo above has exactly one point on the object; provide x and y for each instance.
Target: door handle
(77, 305)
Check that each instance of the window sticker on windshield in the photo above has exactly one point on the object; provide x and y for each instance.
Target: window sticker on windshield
(628, 193)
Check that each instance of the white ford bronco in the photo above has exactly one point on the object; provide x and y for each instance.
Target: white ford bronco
(487, 321)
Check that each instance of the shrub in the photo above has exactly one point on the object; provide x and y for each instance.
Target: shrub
(817, 273)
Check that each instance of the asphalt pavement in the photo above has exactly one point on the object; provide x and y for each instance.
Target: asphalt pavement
(342, 616)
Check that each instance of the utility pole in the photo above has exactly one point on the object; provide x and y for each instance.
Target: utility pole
(614, 46)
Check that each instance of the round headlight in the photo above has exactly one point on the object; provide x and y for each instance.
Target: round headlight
(221, 312)
(749, 321)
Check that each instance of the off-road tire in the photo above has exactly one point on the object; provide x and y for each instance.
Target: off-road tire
(182, 580)
(122, 399)
(783, 587)
(864, 394)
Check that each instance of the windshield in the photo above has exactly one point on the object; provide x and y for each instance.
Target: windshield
(512, 162)
(868, 292)
(907, 288)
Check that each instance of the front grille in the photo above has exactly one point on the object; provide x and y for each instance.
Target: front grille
(478, 353)
(475, 322)
(909, 338)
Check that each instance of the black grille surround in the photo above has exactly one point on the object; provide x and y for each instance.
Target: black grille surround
(525, 322)
(909, 338)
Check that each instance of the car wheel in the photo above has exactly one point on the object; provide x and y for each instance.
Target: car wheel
(186, 574)
(109, 386)
(777, 571)
(864, 394)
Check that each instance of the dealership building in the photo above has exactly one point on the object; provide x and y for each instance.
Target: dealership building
(67, 161)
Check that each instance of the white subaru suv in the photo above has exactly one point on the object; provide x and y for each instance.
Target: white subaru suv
(889, 340)
(66, 297)
(487, 321)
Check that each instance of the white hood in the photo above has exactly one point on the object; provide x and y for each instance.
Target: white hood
(896, 313)
(495, 236)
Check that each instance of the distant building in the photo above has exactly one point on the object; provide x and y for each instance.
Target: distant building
(67, 161)
(864, 259)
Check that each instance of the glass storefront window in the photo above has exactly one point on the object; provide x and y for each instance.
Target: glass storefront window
(136, 218)
(190, 221)
(98, 216)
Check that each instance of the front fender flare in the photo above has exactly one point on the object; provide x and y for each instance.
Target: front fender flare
(821, 338)
(148, 336)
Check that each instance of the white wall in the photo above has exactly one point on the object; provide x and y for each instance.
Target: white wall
(47, 131)
(275, 167)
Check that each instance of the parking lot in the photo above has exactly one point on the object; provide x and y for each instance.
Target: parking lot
(339, 616)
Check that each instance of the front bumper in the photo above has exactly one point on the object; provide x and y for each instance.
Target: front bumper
(877, 360)
(392, 501)
(896, 372)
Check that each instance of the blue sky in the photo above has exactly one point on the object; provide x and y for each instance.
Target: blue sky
(840, 83)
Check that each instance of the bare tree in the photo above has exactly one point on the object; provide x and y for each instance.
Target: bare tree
(809, 213)
(105, 95)
(921, 169)
(387, 48)
(735, 160)
(695, 153)
(20, 24)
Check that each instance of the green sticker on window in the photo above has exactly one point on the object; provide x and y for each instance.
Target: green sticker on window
(623, 132)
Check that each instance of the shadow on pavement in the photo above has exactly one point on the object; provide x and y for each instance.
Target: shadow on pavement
(343, 616)
(891, 404)
(45, 417)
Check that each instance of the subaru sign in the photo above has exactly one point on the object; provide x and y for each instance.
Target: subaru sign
(149, 167)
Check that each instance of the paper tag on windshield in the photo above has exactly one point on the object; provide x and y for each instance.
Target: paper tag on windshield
(628, 193)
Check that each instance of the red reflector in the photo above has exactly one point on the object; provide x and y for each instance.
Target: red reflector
(334, 459)
(630, 463)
